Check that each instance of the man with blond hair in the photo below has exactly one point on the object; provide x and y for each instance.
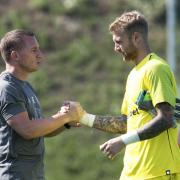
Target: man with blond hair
(149, 132)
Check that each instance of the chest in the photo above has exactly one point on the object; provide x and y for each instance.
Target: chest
(32, 102)
(135, 84)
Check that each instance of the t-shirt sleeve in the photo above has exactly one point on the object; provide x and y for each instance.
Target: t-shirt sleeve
(161, 84)
(11, 109)
(12, 102)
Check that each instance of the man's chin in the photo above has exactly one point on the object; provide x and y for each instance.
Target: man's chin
(126, 59)
(33, 70)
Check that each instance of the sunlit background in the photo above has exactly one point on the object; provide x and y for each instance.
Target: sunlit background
(80, 65)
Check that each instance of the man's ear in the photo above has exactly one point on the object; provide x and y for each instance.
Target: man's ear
(136, 38)
(14, 55)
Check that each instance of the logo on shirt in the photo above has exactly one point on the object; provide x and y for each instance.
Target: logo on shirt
(134, 112)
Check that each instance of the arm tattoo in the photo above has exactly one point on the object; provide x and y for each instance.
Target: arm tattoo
(162, 122)
(111, 124)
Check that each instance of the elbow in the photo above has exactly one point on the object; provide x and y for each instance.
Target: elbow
(28, 135)
(165, 120)
(170, 123)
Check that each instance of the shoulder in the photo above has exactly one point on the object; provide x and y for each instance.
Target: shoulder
(6, 84)
(9, 86)
(157, 65)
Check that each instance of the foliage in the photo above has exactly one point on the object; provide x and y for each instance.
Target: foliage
(80, 65)
(73, 157)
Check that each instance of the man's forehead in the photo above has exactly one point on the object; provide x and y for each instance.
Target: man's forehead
(30, 40)
(119, 35)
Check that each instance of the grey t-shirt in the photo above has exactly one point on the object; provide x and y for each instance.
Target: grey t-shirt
(17, 96)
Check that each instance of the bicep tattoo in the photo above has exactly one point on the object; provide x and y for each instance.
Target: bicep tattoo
(111, 123)
(161, 122)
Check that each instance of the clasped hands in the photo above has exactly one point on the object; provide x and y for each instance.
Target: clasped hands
(110, 148)
(73, 109)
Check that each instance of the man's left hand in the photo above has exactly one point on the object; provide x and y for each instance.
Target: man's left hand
(112, 147)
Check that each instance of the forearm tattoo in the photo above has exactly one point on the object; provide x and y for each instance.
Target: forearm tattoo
(162, 122)
(111, 124)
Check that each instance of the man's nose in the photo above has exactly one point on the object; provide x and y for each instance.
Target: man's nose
(117, 48)
(40, 54)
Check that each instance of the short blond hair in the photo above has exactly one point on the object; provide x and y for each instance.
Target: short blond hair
(132, 21)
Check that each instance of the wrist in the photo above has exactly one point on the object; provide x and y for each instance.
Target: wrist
(87, 119)
(130, 137)
(64, 117)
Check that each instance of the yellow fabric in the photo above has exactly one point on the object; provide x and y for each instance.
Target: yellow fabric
(150, 158)
(167, 177)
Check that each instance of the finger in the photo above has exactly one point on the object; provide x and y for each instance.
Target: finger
(102, 147)
(109, 154)
(67, 108)
(74, 124)
(74, 104)
(78, 125)
(111, 157)
(107, 148)
(64, 110)
(66, 103)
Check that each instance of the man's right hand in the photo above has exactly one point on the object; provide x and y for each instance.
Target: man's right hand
(73, 109)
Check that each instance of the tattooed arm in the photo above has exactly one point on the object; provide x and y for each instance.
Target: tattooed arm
(111, 123)
(105, 123)
(161, 122)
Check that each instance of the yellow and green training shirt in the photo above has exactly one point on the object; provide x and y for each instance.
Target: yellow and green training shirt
(160, 155)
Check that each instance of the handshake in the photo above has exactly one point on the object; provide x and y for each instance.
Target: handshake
(76, 113)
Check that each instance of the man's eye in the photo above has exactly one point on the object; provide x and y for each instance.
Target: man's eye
(34, 50)
(118, 42)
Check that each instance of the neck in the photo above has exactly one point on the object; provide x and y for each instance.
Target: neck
(16, 72)
(142, 53)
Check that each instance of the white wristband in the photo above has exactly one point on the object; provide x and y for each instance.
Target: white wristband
(88, 119)
(130, 137)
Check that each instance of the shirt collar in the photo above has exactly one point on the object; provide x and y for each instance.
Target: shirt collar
(146, 59)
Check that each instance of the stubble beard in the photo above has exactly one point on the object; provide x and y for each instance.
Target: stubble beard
(129, 56)
(28, 69)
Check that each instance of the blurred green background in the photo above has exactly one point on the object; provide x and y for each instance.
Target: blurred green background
(80, 65)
